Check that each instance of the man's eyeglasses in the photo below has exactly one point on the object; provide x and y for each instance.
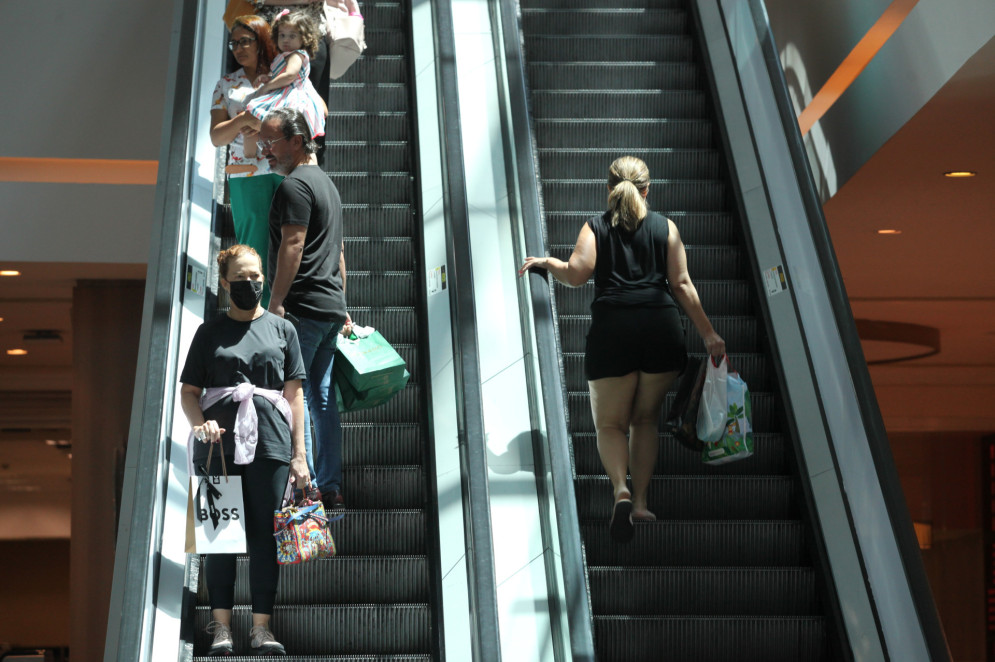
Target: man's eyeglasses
(267, 145)
(244, 42)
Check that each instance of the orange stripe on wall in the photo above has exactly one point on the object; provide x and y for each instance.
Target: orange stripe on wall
(78, 171)
(855, 62)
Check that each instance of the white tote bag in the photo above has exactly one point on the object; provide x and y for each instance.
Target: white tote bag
(215, 508)
(713, 410)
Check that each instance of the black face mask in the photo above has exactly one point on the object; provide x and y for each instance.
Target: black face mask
(245, 294)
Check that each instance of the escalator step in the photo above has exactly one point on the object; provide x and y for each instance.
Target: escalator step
(383, 42)
(384, 15)
(402, 408)
(698, 497)
(364, 156)
(398, 325)
(379, 254)
(663, 164)
(704, 639)
(675, 459)
(377, 487)
(373, 127)
(368, 97)
(700, 543)
(634, 48)
(342, 580)
(601, 75)
(379, 533)
(325, 658)
(366, 220)
(382, 68)
(699, 195)
(388, 188)
(619, 22)
(625, 134)
(701, 591)
(386, 444)
(383, 289)
(630, 103)
(333, 629)
(599, 4)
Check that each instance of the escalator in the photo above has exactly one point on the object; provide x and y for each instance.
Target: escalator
(728, 571)
(376, 597)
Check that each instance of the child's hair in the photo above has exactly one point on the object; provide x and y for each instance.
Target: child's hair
(303, 23)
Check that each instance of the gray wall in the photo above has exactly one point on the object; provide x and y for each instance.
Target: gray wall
(90, 81)
(813, 38)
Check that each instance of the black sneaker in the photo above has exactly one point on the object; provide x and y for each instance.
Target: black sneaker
(333, 501)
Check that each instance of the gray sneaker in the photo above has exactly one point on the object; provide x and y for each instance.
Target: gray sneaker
(263, 642)
(222, 644)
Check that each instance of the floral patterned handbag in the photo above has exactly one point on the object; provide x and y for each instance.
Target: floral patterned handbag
(302, 532)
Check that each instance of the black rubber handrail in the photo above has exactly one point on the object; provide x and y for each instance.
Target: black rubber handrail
(470, 411)
(547, 348)
(139, 536)
(870, 412)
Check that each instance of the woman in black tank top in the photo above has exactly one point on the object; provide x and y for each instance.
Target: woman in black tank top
(635, 347)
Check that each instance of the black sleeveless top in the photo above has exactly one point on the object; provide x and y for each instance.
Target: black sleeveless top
(631, 267)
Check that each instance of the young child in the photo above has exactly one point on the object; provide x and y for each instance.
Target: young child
(287, 85)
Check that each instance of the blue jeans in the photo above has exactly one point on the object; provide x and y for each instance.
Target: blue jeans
(324, 459)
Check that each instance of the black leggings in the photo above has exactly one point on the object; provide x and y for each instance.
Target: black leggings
(263, 485)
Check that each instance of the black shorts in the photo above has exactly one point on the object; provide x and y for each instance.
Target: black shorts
(623, 340)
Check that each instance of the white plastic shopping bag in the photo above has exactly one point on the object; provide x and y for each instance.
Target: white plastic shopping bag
(737, 439)
(217, 513)
(713, 408)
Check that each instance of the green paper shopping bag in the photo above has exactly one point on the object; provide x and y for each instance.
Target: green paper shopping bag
(368, 362)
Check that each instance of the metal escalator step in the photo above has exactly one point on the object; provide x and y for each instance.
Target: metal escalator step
(698, 497)
(385, 42)
(365, 288)
(624, 103)
(333, 629)
(702, 591)
(372, 127)
(365, 220)
(340, 580)
(384, 15)
(721, 298)
(367, 157)
(748, 543)
(753, 368)
(705, 639)
(599, 4)
(674, 459)
(389, 188)
(589, 195)
(398, 324)
(325, 658)
(586, 163)
(386, 444)
(372, 487)
(368, 97)
(763, 405)
(625, 135)
(379, 254)
(381, 68)
(405, 407)
(622, 23)
(379, 532)
(595, 47)
(601, 75)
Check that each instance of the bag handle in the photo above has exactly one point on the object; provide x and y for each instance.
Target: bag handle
(224, 468)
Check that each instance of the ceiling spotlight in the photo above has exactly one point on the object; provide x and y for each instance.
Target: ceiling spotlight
(889, 232)
(960, 173)
(16, 352)
(9, 272)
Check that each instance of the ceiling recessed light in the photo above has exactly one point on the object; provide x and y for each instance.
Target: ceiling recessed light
(960, 173)
(889, 232)
(16, 352)
(9, 272)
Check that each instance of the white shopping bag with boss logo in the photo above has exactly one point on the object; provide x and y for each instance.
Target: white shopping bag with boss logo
(215, 513)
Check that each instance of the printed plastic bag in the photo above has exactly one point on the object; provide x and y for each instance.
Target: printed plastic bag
(737, 440)
(713, 407)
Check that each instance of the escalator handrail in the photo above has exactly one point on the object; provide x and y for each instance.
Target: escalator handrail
(547, 348)
(139, 535)
(482, 581)
(870, 413)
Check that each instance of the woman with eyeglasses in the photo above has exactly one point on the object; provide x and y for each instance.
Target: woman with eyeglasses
(251, 184)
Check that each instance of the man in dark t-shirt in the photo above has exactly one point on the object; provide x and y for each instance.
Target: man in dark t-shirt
(307, 277)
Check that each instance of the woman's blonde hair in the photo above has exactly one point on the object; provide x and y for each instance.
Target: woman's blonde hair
(628, 178)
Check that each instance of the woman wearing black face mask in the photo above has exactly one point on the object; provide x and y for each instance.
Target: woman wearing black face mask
(247, 355)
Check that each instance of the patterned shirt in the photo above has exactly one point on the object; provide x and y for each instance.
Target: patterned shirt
(229, 95)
